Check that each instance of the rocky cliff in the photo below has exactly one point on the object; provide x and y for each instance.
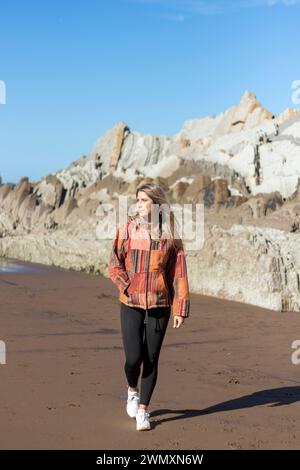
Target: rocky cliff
(243, 165)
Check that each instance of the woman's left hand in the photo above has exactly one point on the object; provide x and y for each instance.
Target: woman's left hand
(177, 321)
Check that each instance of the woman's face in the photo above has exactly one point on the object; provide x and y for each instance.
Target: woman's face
(143, 202)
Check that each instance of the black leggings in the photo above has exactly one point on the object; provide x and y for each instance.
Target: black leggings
(142, 344)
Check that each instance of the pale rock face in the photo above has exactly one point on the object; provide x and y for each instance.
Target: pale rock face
(246, 115)
(142, 151)
(52, 191)
(107, 149)
(165, 167)
(280, 168)
(78, 175)
(287, 114)
(202, 128)
(228, 139)
(293, 130)
(128, 154)
(271, 282)
(243, 162)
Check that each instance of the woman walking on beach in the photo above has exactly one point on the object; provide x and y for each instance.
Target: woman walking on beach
(147, 264)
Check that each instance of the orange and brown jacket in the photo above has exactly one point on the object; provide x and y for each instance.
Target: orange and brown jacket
(149, 272)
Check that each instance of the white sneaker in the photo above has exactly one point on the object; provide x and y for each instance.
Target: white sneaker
(133, 402)
(142, 420)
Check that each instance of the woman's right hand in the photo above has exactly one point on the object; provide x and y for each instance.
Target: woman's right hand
(178, 321)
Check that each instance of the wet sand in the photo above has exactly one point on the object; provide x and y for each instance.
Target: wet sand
(225, 379)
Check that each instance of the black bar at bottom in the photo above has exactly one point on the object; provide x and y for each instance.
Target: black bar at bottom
(129, 458)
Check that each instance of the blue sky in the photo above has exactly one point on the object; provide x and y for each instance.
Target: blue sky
(73, 69)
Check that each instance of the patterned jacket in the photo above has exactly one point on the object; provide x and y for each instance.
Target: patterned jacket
(149, 272)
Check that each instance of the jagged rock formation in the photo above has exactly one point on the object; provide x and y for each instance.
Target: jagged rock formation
(243, 165)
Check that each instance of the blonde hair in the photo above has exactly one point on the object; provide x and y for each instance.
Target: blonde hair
(158, 196)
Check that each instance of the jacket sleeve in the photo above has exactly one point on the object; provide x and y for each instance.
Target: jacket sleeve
(178, 282)
(116, 265)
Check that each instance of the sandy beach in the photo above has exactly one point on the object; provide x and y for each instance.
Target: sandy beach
(226, 379)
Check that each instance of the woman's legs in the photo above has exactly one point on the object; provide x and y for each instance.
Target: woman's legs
(158, 319)
(132, 334)
(143, 344)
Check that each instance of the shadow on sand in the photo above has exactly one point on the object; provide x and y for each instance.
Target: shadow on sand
(272, 397)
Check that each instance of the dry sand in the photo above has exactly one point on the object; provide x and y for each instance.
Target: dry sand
(225, 379)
